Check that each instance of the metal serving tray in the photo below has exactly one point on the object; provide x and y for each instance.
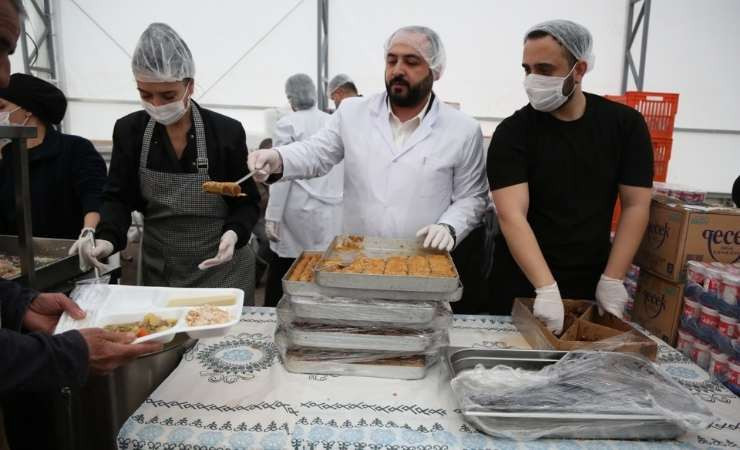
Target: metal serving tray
(418, 343)
(311, 289)
(53, 267)
(590, 425)
(374, 247)
(339, 367)
(390, 311)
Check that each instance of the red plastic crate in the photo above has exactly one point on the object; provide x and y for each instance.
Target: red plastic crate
(658, 108)
(661, 157)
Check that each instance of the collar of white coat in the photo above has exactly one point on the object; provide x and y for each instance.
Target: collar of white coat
(416, 120)
(379, 107)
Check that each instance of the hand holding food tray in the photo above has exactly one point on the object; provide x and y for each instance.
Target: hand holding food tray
(156, 314)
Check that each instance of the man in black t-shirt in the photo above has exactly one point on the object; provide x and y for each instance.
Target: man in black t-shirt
(555, 169)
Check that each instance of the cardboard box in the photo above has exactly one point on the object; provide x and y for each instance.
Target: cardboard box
(657, 307)
(678, 233)
(584, 329)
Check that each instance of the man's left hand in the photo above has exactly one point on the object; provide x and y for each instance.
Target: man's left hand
(44, 311)
(611, 295)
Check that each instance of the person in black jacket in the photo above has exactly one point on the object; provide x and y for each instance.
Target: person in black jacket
(161, 158)
(31, 359)
(67, 173)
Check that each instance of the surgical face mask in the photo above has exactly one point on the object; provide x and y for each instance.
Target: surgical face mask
(546, 93)
(169, 113)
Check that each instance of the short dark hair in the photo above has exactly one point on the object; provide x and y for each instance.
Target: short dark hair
(537, 34)
(266, 143)
(349, 86)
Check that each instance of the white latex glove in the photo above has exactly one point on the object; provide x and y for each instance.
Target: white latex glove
(548, 307)
(272, 230)
(225, 251)
(265, 162)
(438, 236)
(90, 256)
(611, 295)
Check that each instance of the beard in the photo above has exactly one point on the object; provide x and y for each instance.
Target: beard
(414, 94)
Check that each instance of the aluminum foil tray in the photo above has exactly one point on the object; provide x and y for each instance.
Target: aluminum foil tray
(355, 341)
(297, 364)
(312, 289)
(374, 247)
(391, 311)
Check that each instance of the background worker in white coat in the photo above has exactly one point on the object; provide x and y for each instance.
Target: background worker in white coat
(413, 165)
(341, 87)
(301, 214)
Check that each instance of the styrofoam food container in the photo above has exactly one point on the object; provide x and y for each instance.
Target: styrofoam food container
(116, 304)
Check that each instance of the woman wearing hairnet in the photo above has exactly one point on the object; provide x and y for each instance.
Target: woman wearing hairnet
(302, 214)
(161, 157)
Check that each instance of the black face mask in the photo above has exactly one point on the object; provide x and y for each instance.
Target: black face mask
(414, 94)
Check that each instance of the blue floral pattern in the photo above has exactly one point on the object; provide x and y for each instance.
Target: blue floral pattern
(241, 440)
(274, 441)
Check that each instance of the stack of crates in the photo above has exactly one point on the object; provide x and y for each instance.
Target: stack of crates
(659, 110)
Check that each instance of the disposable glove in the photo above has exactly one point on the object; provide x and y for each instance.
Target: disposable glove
(225, 251)
(611, 295)
(548, 307)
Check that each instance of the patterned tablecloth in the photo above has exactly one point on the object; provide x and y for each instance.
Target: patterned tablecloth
(233, 393)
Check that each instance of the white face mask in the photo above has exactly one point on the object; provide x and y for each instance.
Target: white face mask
(169, 113)
(546, 93)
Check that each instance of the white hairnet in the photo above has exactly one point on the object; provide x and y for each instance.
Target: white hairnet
(162, 56)
(337, 81)
(425, 41)
(574, 37)
(301, 91)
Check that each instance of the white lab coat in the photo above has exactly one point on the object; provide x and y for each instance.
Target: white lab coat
(437, 176)
(309, 211)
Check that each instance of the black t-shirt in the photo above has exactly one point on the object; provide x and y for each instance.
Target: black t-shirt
(573, 170)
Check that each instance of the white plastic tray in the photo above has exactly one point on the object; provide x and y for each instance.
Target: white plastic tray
(113, 304)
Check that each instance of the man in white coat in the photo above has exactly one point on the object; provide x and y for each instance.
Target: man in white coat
(301, 214)
(413, 165)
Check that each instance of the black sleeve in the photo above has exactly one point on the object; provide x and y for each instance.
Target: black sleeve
(507, 162)
(637, 155)
(89, 175)
(39, 362)
(35, 361)
(14, 301)
(121, 194)
(243, 211)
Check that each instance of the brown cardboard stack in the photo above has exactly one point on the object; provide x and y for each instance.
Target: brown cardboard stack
(678, 233)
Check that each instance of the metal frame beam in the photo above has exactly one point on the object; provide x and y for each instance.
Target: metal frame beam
(633, 26)
(33, 62)
(322, 54)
